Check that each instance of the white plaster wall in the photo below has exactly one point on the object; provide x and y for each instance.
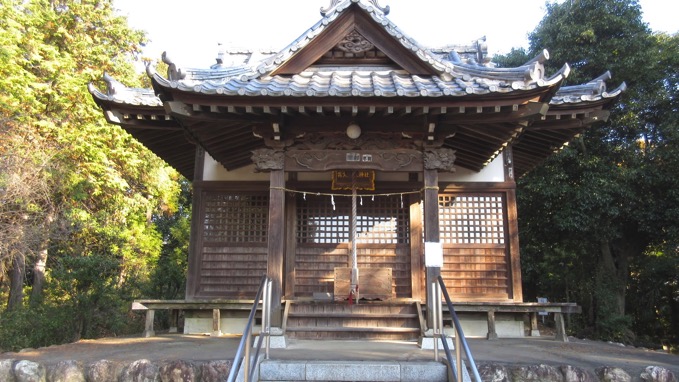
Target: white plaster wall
(214, 171)
(494, 172)
(476, 326)
(200, 325)
(473, 326)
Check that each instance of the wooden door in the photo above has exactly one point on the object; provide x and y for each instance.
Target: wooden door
(322, 238)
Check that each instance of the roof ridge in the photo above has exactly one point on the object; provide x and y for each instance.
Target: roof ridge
(330, 14)
(343, 4)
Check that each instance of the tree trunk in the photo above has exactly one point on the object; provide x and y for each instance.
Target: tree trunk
(16, 289)
(674, 315)
(610, 275)
(39, 275)
(41, 261)
(616, 256)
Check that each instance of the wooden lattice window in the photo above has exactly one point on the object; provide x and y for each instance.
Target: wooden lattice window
(380, 220)
(236, 218)
(471, 219)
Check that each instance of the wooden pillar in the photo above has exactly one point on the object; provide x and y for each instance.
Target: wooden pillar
(195, 241)
(216, 323)
(148, 328)
(290, 246)
(560, 327)
(416, 247)
(534, 331)
(276, 242)
(174, 319)
(514, 257)
(431, 231)
(492, 332)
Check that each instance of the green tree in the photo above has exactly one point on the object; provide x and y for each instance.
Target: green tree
(72, 186)
(168, 280)
(605, 206)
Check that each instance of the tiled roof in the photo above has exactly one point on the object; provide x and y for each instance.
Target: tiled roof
(346, 83)
(377, 14)
(457, 77)
(119, 93)
(460, 79)
(408, 75)
(594, 90)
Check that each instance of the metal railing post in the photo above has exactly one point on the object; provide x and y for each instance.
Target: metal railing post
(435, 319)
(460, 340)
(266, 318)
(458, 355)
(246, 364)
(246, 340)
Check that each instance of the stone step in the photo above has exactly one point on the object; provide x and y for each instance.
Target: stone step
(296, 370)
(353, 315)
(380, 329)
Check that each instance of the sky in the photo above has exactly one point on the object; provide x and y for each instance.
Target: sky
(190, 31)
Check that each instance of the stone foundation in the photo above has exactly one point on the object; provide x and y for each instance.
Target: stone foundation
(212, 371)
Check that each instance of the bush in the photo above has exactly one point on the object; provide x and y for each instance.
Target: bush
(34, 327)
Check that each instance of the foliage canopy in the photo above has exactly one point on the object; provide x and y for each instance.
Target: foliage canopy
(78, 196)
(597, 218)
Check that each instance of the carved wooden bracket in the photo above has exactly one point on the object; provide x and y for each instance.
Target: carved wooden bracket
(324, 160)
(268, 160)
(439, 159)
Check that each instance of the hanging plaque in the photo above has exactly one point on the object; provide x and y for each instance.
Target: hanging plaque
(347, 179)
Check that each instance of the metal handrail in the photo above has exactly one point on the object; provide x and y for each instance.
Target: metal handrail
(245, 341)
(460, 339)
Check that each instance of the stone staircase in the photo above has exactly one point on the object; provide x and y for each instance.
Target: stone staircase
(371, 320)
(289, 370)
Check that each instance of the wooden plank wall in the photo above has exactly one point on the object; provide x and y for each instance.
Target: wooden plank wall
(475, 273)
(394, 256)
(476, 263)
(315, 264)
(231, 244)
(231, 271)
(315, 267)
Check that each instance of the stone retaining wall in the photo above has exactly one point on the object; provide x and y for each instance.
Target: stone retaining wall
(12, 370)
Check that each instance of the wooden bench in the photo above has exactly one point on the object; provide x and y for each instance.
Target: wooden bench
(176, 306)
(533, 308)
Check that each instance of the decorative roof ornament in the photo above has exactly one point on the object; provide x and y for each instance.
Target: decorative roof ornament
(354, 42)
(112, 86)
(173, 72)
(335, 3)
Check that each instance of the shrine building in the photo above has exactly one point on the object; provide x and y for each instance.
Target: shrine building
(355, 148)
